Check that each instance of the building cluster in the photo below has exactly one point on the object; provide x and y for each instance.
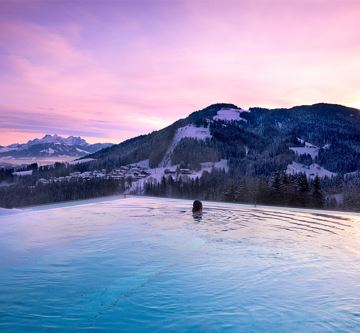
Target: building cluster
(132, 172)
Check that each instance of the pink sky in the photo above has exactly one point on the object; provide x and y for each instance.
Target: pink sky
(110, 70)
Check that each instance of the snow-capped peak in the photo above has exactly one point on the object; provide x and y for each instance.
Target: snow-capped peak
(57, 139)
(75, 141)
(52, 145)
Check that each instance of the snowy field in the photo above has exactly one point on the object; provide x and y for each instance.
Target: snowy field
(311, 170)
(230, 115)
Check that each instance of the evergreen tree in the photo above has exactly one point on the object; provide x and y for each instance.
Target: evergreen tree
(275, 188)
(317, 196)
(303, 190)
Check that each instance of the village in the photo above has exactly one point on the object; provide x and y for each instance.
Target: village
(130, 173)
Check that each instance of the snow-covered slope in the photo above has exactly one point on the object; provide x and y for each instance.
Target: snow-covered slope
(312, 151)
(308, 149)
(189, 131)
(229, 115)
(81, 161)
(6, 149)
(48, 151)
(23, 173)
(209, 166)
(311, 171)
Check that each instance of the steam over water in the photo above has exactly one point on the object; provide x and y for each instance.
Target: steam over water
(146, 265)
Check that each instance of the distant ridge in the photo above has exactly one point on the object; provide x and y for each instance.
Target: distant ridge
(52, 146)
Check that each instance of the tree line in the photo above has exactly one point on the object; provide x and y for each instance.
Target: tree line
(281, 189)
(20, 195)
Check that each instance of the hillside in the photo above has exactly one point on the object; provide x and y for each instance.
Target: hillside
(320, 139)
(305, 156)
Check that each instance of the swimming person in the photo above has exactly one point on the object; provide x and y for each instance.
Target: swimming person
(197, 208)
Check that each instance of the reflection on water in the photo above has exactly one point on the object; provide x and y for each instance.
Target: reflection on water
(145, 264)
(197, 217)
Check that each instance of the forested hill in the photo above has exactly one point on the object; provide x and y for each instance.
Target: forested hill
(257, 141)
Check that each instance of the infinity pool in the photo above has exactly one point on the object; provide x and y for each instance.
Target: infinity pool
(145, 265)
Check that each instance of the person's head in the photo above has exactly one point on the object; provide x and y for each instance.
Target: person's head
(197, 207)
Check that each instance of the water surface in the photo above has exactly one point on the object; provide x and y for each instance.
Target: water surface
(145, 265)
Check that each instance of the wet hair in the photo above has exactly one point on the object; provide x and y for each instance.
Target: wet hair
(197, 206)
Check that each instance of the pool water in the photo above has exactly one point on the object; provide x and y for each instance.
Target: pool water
(145, 265)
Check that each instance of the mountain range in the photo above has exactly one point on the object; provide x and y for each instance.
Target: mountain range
(320, 139)
(52, 146)
(304, 156)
